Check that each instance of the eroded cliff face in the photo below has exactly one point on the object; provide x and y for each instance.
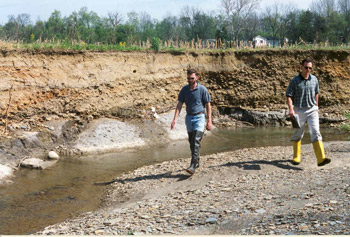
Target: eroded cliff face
(52, 85)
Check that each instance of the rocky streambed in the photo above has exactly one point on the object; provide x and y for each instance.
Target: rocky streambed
(248, 191)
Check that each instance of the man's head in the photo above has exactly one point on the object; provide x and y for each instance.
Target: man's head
(306, 66)
(192, 76)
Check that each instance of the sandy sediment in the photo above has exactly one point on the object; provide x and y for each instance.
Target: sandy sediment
(248, 191)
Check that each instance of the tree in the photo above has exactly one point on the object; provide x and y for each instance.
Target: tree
(344, 9)
(16, 27)
(55, 26)
(272, 19)
(186, 21)
(237, 11)
(277, 20)
(169, 28)
(114, 19)
(253, 21)
(326, 10)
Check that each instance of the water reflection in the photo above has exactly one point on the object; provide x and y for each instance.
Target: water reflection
(42, 197)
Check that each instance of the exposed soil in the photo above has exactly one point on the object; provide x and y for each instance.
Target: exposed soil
(76, 85)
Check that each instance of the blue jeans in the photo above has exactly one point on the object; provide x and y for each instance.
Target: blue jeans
(195, 122)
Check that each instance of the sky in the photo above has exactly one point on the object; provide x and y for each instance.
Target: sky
(42, 9)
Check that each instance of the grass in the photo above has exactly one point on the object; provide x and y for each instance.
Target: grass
(167, 46)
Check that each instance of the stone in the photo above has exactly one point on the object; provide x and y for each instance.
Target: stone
(53, 155)
(99, 232)
(35, 163)
(303, 228)
(5, 171)
(260, 211)
(211, 220)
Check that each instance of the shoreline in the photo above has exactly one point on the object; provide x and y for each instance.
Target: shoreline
(248, 191)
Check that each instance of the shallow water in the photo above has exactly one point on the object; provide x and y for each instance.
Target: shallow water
(43, 197)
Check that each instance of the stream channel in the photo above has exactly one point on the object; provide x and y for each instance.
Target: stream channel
(39, 198)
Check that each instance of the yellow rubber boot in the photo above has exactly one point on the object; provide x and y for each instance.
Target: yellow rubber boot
(296, 152)
(319, 152)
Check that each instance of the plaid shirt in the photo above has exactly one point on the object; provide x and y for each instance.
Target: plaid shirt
(303, 91)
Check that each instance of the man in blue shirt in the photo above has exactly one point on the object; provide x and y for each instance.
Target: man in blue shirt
(302, 100)
(197, 100)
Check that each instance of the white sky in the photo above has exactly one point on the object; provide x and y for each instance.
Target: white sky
(156, 8)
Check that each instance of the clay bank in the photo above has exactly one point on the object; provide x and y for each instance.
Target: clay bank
(75, 103)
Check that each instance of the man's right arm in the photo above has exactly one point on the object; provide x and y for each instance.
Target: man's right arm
(177, 112)
(290, 106)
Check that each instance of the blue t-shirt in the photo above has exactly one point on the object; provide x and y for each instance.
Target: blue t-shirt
(195, 99)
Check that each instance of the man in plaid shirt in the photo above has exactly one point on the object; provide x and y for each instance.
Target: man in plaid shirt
(302, 100)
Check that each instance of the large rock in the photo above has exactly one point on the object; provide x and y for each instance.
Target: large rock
(107, 135)
(273, 118)
(35, 163)
(5, 173)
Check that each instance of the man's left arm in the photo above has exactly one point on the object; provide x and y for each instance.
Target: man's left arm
(209, 122)
(316, 92)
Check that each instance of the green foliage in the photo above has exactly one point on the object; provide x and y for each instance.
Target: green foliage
(155, 43)
(86, 30)
(346, 127)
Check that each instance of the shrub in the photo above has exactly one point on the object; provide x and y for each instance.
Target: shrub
(155, 43)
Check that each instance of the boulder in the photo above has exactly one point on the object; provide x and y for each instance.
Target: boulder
(5, 172)
(35, 163)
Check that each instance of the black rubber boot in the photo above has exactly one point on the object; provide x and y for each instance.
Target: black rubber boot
(198, 135)
(195, 144)
(191, 141)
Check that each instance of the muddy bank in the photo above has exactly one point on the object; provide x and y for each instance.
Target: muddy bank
(249, 191)
(66, 101)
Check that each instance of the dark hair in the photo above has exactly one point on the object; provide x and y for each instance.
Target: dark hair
(306, 60)
(190, 71)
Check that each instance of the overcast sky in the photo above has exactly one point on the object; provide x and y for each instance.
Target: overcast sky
(42, 9)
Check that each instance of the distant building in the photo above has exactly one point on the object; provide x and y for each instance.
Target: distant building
(272, 41)
(259, 41)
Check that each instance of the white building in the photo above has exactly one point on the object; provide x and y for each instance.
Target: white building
(259, 41)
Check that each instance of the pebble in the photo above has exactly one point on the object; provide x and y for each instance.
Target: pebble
(211, 220)
(255, 202)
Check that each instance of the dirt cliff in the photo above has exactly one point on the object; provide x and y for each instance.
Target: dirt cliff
(48, 85)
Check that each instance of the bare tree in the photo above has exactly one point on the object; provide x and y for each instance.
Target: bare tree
(187, 20)
(277, 20)
(114, 19)
(344, 8)
(325, 8)
(237, 11)
(273, 18)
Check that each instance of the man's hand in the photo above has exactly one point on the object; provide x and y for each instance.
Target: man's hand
(209, 125)
(173, 124)
(291, 113)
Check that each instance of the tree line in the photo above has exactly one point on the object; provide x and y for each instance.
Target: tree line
(236, 20)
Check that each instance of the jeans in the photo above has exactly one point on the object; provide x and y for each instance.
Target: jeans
(309, 115)
(195, 122)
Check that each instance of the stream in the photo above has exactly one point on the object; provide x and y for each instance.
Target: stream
(39, 198)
